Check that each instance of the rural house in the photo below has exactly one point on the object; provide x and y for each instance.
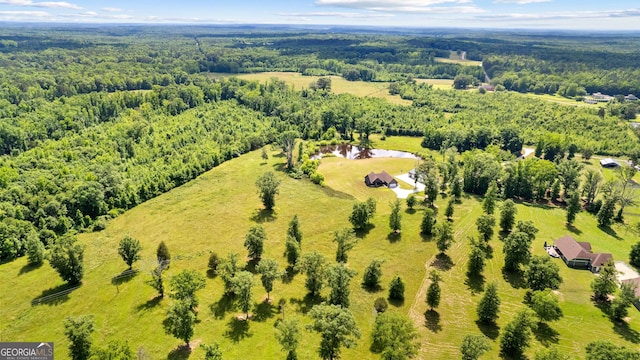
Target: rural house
(381, 179)
(578, 254)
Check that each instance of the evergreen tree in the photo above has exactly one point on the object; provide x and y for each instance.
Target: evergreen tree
(489, 305)
(292, 251)
(411, 201)
(433, 291)
(489, 202)
(477, 256)
(162, 253)
(396, 289)
(372, 274)
(294, 230)
(428, 222)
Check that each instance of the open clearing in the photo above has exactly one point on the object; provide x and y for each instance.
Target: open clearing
(455, 58)
(443, 84)
(214, 212)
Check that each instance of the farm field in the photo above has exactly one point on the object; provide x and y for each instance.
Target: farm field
(455, 58)
(214, 212)
(443, 84)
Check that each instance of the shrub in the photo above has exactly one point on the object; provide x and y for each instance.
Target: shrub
(213, 263)
(317, 178)
(380, 305)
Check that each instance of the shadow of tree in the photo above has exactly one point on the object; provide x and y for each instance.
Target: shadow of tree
(371, 289)
(29, 267)
(442, 262)
(394, 237)
(622, 328)
(211, 274)
(149, 304)
(426, 237)
(54, 296)
(224, 305)
(264, 215)
(432, 320)
(545, 334)
(361, 233)
(488, 251)
(124, 277)
(289, 274)
(491, 330)
(305, 304)
(475, 282)
(337, 194)
(251, 265)
(514, 278)
(182, 352)
(396, 302)
(573, 229)
(410, 211)
(263, 311)
(609, 231)
(237, 329)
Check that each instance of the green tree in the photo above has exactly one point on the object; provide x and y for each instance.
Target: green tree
(115, 349)
(362, 213)
(456, 187)
(448, 212)
(462, 81)
(489, 305)
(516, 336)
(337, 328)
(156, 281)
(507, 216)
(212, 352)
(264, 154)
(292, 251)
(228, 270)
(620, 305)
(573, 207)
(162, 254)
(489, 202)
(552, 353)
(267, 185)
(474, 346)
(445, 237)
(338, 278)
(634, 255)
(569, 173)
(129, 250)
(288, 143)
(242, 284)
(372, 274)
(546, 305)
(396, 289)
(433, 291)
(288, 335)
(485, 224)
(184, 286)
(313, 265)
(411, 201)
(605, 284)
(254, 242)
(35, 251)
(180, 321)
(78, 331)
(66, 257)
(395, 218)
(428, 221)
(591, 185)
(477, 256)
(542, 273)
(516, 250)
(528, 228)
(607, 211)
(294, 230)
(394, 336)
(626, 193)
(213, 263)
(269, 272)
(604, 349)
(346, 241)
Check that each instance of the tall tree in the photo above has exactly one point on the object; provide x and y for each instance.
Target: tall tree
(569, 172)
(337, 328)
(605, 284)
(591, 185)
(573, 207)
(35, 250)
(516, 250)
(372, 274)
(620, 305)
(428, 221)
(445, 237)
(162, 254)
(66, 257)
(346, 241)
(267, 185)
(394, 336)
(292, 251)
(184, 286)
(361, 214)
(228, 270)
(634, 255)
(129, 250)
(542, 273)
(338, 279)
(242, 284)
(180, 321)
(489, 202)
(626, 193)
(156, 281)
(607, 211)
(433, 291)
(508, 216)
(395, 218)
(288, 143)
(288, 335)
(516, 336)
(78, 331)
(294, 229)
(489, 305)
(485, 224)
(269, 272)
(396, 289)
(474, 346)
(448, 212)
(254, 242)
(313, 265)
(477, 256)
(546, 305)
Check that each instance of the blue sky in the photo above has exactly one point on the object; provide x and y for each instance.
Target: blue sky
(535, 14)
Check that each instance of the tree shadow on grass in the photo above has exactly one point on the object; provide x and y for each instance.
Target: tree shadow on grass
(224, 305)
(337, 194)
(396, 302)
(488, 251)
(237, 329)
(29, 267)
(289, 274)
(361, 233)
(264, 215)
(54, 296)
(305, 304)
(622, 328)
(124, 277)
(251, 265)
(475, 282)
(609, 231)
(264, 311)
(371, 289)
(491, 330)
(432, 320)
(545, 334)
(394, 237)
(410, 211)
(426, 237)
(149, 304)
(442, 262)
(514, 278)
(573, 229)
(182, 352)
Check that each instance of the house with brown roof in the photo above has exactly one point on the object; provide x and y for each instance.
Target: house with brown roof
(578, 254)
(635, 282)
(381, 179)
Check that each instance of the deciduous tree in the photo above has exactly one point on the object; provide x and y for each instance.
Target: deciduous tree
(337, 328)
(474, 346)
(242, 284)
(78, 331)
(67, 258)
(254, 242)
(372, 274)
(542, 273)
(396, 289)
(313, 265)
(184, 286)
(294, 229)
(489, 305)
(428, 221)
(604, 284)
(346, 241)
(516, 250)
(489, 202)
(546, 305)
(445, 237)
(394, 336)
(433, 291)
(162, 254)
(507, 216)
(288, 335)
(269, 272)
(338, 279)
(395, 218)
(268, 187)
(516, 336)
(180, 321)
(129, 250)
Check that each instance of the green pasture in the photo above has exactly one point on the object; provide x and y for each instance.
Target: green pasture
(213, 213)
(455, 58)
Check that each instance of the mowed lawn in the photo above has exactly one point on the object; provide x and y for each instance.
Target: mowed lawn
(215, 211)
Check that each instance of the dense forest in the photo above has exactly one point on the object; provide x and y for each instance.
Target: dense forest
(95, 121)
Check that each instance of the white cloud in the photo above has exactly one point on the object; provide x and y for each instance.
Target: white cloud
(389, 4)
(111, 9)
(44, 4)
(578, 15)
(519, 2)
(346, 15)
(39, 14)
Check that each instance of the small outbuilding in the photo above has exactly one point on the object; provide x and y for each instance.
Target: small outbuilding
(381, 179)
(609, 163)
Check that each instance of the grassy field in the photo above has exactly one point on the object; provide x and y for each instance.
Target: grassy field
(214, 212)
(454, 58)
(562, 100)
(443, 84)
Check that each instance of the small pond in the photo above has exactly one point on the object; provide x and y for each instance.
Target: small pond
(354, 152)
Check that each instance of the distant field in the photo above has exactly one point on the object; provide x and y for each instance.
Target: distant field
(338, 84)
(214, 212)
(562, 100)
(444, 84)
(454, 58)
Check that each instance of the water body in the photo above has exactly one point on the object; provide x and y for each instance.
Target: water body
(354, 152)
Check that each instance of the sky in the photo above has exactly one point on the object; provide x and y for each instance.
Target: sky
(534, 14)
